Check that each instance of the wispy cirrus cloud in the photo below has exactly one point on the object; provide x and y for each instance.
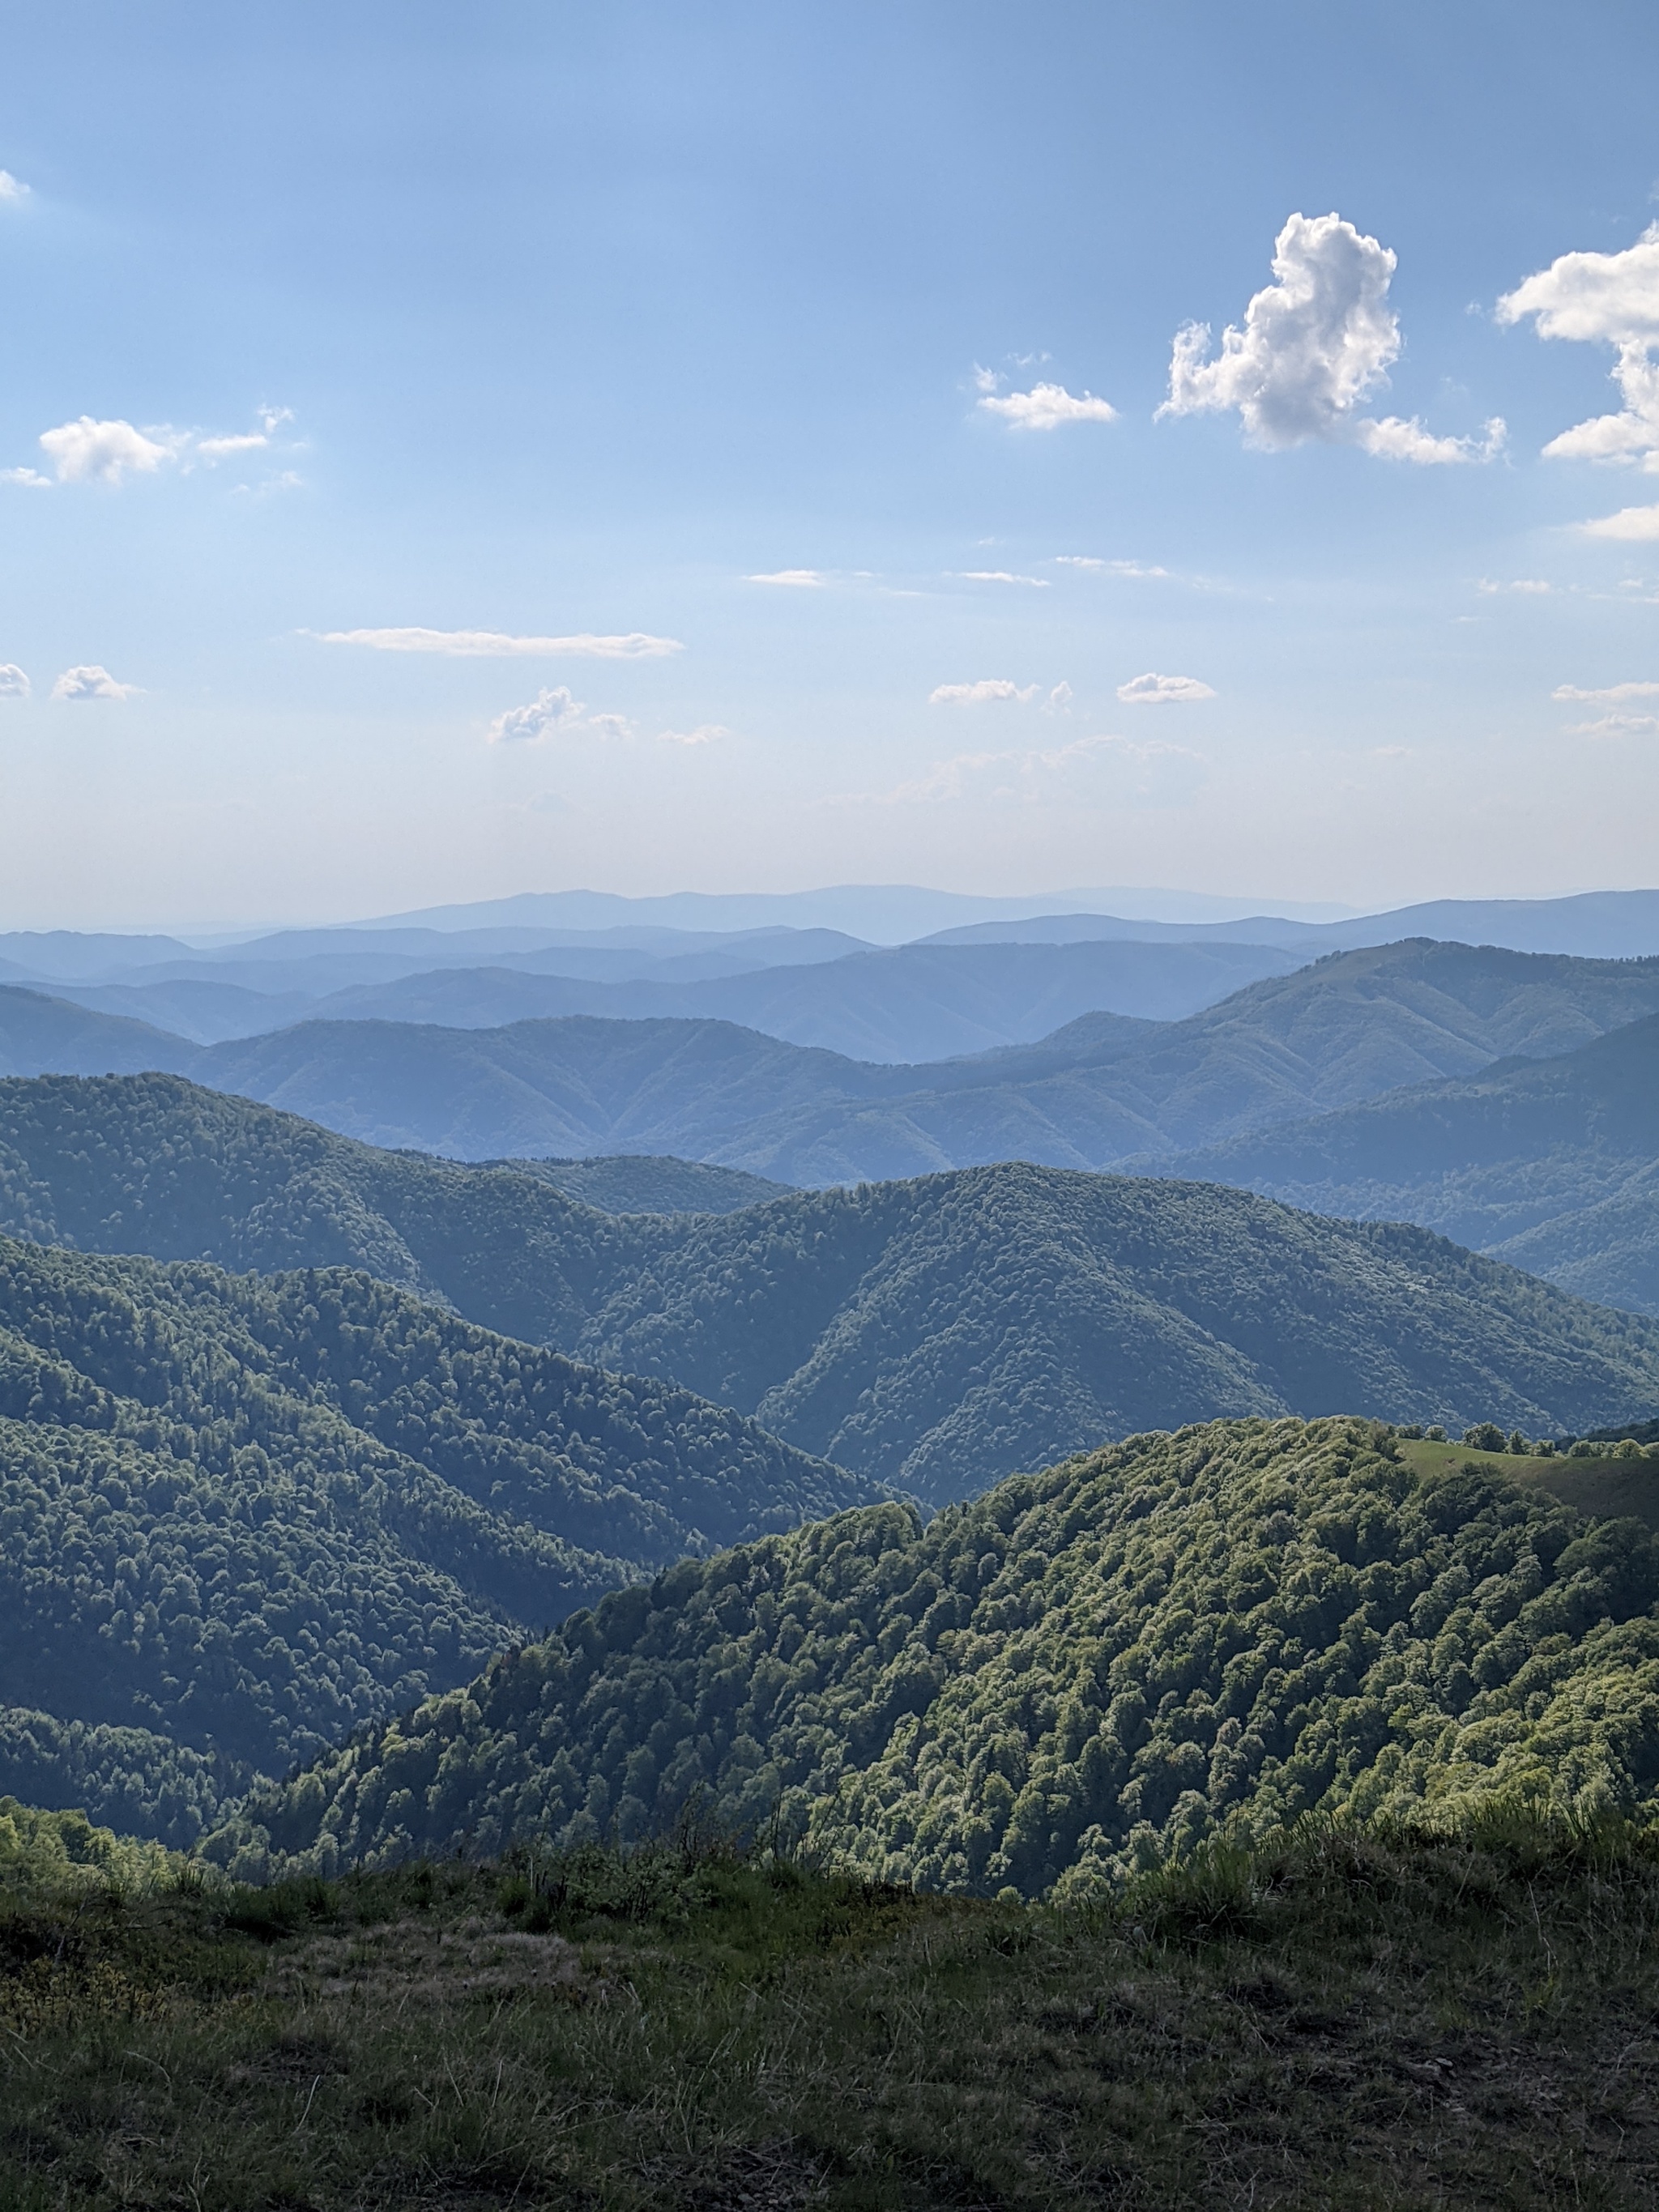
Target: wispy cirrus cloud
(1528, 586)
(91, 683)
(501, 645)
(999, 576)
(800, 579)
(1314, 346)
(1147, 568)
(1044, 407)
(1093, 772)
(706, 733)
(1608, 695)
(1154, 690)
(988, 691)
(1615, 725)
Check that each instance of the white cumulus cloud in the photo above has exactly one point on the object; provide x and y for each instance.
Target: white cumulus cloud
(1047, 406)
(498, 644)
(1532, 586)
(1631, 524)
(31, 477)
(1606, 299)
(988, 689)
(88, 452)
(13, 684)
(12, 189)
(1395, 439)
(1315, 344)
(1615, 725)
(546, 714)
(90, 682)
(1151, 690)
(801, 580)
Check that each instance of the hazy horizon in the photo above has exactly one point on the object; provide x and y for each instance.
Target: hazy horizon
(446, 457)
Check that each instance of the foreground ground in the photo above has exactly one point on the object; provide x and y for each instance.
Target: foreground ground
(1346, 2021)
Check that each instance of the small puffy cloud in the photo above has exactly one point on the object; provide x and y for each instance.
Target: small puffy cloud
(706, 733)
(1059, 699)
(88, 452)
(1631, 524)
(1606, 299)
(1393, 439)
(31, 477)
(988, 690)
(1047, 406)
(1151, 690)
(801, 580)
(1615, 725)
(1001, 576)
(1315, 344)
(498, 644)
(1530, 586)
(613, 726)
(986, 379)
(1611, 695)
(219, 449)
(13, 684)
(91, 683)
(13, 189)
(548, 713)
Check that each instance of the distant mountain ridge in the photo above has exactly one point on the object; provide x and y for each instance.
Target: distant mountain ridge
(1100, 1090)
(934, 1334)
(1552, 1164)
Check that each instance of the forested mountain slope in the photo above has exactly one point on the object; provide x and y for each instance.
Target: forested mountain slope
(1101, 1090)
(1352, 1026)
(1083, 1671)
(643, 1182)
(245, 1515)
(1553, 1165)
(936, 1334)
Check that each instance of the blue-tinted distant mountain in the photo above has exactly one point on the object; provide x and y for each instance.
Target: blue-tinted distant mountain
(1552, 1164)
(48, 954)
(1593, 925)
(1097, 1091)
(886, 913)
(42, 1035)
(913, 1002)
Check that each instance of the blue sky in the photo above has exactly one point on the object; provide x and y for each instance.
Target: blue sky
(558, 325)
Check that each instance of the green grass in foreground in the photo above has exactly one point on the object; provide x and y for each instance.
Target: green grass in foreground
(1347, 2020)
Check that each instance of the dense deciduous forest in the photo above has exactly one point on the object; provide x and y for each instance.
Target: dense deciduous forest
(239, 1516)
(937, 1334)
(1079, 1675)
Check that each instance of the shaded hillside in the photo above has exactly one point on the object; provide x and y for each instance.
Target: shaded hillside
(1084, 1672)
(626, 1182)
(1103, 1089)
(1553, 1165)
(40, 1034)
(1352, 1026)
(937, 1334)
(246, 1515)
(536, 1088)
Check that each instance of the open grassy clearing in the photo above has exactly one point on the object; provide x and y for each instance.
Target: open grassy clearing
(1344, 2020)
(1616, 1489)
